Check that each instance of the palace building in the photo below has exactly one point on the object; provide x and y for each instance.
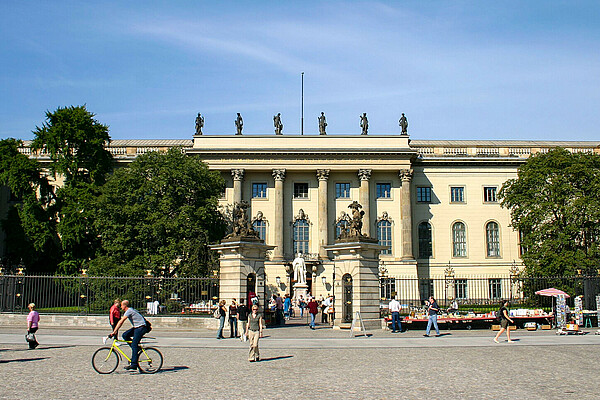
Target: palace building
(433, 204)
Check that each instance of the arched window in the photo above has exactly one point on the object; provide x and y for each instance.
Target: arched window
(384, 235)
(459, 240)
(424, 233)
(260, 226)
(301, 236)
(492, 238)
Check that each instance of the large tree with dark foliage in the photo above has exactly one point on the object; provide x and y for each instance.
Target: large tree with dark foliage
(555, 205)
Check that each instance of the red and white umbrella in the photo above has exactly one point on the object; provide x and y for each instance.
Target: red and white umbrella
(551, 292)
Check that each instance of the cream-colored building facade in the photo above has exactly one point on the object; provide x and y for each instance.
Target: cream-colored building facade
(434, 203)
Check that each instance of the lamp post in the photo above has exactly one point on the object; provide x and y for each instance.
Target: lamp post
(448, 280)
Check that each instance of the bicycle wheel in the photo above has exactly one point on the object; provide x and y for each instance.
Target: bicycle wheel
(105, 361)
(150, 360)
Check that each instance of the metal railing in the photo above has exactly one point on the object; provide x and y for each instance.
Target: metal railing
(94, 295)
(484, 293)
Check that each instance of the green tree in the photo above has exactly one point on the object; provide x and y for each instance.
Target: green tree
(75, 143)
(555, 205)
(161, 211)
(29, 225)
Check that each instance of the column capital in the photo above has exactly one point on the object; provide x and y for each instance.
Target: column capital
(237, 174)
(279, 174)
(323, 174)
(405, 175)
(364, 174)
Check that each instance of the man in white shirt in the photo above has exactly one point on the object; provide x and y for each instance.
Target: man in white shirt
(395, 311)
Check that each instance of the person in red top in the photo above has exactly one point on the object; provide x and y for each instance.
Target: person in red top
(313, 309)
(114, 314)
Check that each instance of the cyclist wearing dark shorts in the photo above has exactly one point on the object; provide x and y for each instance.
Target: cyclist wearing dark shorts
(134, 334)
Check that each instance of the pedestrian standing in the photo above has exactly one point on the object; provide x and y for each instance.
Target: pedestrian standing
(254, 331)
(33, 319)
(222, 314)
(504, 322)
(114, 314)
(323, 306)
(394, 307)
(242, 311)
(301, 305)
(233, 317)
(279, 309)
(287, 305)
(432, 310)
(313, 309)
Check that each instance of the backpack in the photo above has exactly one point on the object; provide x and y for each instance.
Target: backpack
(148, 325)
(217, 313)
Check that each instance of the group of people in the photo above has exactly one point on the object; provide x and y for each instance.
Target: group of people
(252, 324)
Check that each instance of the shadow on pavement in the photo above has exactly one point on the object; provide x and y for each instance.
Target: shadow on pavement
(23, 360)
(55, 347)
(275, 358)
(173, 369)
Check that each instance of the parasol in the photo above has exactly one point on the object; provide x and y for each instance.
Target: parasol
(551, 292)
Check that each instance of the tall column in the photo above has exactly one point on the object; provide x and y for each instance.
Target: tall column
(363, 198)
(406, 214)
(279, 176)
(322, 176)
(238, 177)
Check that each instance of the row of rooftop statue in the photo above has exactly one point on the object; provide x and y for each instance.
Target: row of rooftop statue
(364, 124)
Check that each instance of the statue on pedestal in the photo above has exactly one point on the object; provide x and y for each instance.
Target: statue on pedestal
(364, 123)
(277, 123)
(239, 124)
(242, 228)
(199, 124)
(322, 124)
(403, 122)
(299, 266)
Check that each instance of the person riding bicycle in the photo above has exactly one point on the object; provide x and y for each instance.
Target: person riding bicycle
(134, 334)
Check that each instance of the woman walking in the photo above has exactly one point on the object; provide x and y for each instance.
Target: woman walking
(222, 314)
(33, 320)
(504, 320)
(254, 331)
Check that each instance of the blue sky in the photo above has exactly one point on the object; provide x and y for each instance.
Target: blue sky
(458, 69)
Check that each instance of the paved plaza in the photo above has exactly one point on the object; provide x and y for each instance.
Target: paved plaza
(300, 363)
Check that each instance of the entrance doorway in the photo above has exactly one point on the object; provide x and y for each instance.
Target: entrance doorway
(347, 298)
(250, 288)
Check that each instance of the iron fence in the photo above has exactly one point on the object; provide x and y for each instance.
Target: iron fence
(483, 294)
(94, 294)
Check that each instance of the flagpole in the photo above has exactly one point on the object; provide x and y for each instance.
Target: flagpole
(302, 119)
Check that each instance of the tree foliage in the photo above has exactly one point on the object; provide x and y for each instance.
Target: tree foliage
(75, 142)
(555, 205)
(161, 211)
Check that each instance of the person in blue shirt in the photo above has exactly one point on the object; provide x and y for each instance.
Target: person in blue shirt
(287, 304)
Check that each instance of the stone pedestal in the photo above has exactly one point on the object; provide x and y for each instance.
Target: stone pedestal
(237, 259)
(300, 289)
(357, 264)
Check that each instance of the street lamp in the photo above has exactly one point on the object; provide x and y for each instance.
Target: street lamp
(278, 280)
(324, 280)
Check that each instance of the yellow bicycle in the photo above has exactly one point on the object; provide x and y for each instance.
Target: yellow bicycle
(106, 359)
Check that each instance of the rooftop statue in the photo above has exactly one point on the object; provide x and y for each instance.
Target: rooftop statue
(239, 124)
(403, 122)
(364, 123)
(322, 124)
(199, 124)
(278, 125)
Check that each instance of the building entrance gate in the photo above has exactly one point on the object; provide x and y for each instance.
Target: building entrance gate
(347, 298)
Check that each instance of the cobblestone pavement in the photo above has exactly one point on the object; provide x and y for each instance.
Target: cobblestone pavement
(463, 365)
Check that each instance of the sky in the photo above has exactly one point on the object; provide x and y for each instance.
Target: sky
(472, 70)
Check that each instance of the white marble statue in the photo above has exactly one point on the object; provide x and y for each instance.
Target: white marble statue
(299, 269)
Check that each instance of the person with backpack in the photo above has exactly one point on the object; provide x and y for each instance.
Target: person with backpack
(135, 334)
(504, 319)
(222, 314)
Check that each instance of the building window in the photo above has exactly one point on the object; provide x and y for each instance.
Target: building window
(522, 247)
(459, 240)
(384, 235)
(495, 288)
(460, 288)
(384, 190)
(388, 288)
(426, 288)
(260, 227)
(489, 194)
(424, 194)
(492, 236)
(259, 190)
(301, 236)
(342, 190)
(457, 194)
(424, 234)
(301, 190)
